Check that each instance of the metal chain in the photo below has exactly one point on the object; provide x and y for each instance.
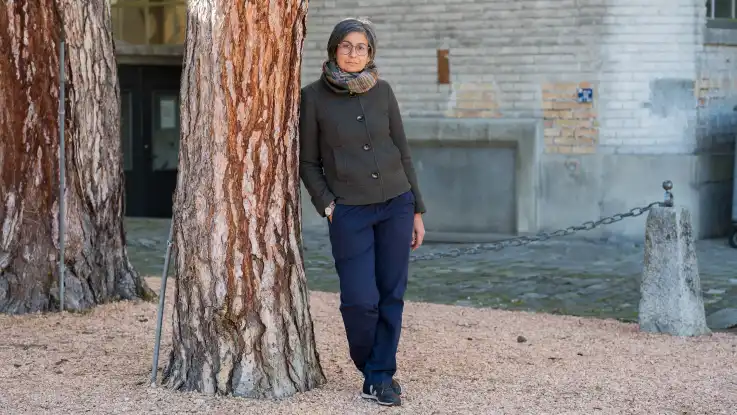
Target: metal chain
(542, 236)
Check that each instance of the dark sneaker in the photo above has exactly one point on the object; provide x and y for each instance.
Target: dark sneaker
(382, 394)
(397, 388)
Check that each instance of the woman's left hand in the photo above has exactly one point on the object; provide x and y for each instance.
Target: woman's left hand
(418, 234)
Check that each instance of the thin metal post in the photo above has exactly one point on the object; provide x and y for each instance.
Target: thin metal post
(160, 312)
(62, 172)
(668, 199)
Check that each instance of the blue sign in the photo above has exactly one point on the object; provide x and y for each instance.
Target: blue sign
(585, 95)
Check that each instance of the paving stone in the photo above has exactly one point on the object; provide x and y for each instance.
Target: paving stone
(723, 319)
(562, 270)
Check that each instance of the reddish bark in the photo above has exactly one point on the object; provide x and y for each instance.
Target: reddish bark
(97, 265)
(242, 323)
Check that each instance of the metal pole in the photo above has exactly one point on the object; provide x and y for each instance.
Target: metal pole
(668, 186)
(160, 312)
(62, 173)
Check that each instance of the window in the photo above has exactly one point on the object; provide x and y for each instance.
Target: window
(149, 22)
(721, 9)
(721, 14)
(165, 131)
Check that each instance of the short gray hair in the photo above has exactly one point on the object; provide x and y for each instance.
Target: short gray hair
(350, 25)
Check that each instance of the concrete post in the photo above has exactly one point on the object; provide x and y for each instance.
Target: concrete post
(671, 300)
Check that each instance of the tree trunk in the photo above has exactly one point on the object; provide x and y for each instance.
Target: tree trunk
(242, 323)
(97, 266)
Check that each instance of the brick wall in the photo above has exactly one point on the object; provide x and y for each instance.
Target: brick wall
(525, 58)
(571, 127)
(650, 65)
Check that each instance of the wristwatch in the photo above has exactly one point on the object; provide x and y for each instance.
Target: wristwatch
(330, 208)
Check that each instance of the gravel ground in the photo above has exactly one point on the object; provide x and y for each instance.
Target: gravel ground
(452, 360)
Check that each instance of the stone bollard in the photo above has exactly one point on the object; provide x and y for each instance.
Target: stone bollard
(671, 300)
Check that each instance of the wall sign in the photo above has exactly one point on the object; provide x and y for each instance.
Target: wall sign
(585, 95)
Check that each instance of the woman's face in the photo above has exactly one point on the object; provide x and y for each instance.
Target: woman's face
(353, 52)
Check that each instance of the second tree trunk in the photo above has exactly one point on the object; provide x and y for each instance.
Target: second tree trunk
(242, 323)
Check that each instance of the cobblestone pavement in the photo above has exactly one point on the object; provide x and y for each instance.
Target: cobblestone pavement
(566, 275)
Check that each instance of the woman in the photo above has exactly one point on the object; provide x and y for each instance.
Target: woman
(356, 166)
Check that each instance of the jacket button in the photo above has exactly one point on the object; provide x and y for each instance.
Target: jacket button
(366, 147)
(360, 118)
(375, 175)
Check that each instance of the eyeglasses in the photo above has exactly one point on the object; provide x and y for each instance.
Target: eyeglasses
(345, 48)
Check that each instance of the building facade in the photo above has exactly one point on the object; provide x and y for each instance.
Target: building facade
(523, 116)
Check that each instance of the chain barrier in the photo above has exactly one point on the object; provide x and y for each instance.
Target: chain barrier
(544, 236)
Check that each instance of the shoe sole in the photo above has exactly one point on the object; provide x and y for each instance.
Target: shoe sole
(367, 396)
(374, 398)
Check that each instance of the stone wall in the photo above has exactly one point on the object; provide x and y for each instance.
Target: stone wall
(500, 52)
(717, 91)
(527, 59)
(505, 55)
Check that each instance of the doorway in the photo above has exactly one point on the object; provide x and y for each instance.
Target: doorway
(149, 98)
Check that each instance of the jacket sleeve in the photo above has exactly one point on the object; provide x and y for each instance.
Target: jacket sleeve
(400, 140)
(310, 161)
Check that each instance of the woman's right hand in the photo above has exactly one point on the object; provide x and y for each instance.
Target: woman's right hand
(331, 209)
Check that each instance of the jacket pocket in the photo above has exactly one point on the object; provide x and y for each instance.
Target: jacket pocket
(340, 163)
(392, 158)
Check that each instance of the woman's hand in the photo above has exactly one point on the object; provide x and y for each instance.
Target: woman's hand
(418, 234)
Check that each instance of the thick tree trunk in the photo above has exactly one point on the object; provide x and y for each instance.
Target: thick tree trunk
(242, 323)
(97, 266)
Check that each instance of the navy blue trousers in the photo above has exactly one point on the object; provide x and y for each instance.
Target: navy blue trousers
(371, 245)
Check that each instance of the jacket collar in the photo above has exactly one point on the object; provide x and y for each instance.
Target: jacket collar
(333, 88)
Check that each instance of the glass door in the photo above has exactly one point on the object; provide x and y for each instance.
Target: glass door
(149, 137)
(161, 122)
(165, 132)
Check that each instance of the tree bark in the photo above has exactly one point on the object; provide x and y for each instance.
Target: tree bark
(242, 323)
(97, 265)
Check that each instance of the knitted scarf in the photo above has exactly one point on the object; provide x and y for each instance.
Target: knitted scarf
(354, 82)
